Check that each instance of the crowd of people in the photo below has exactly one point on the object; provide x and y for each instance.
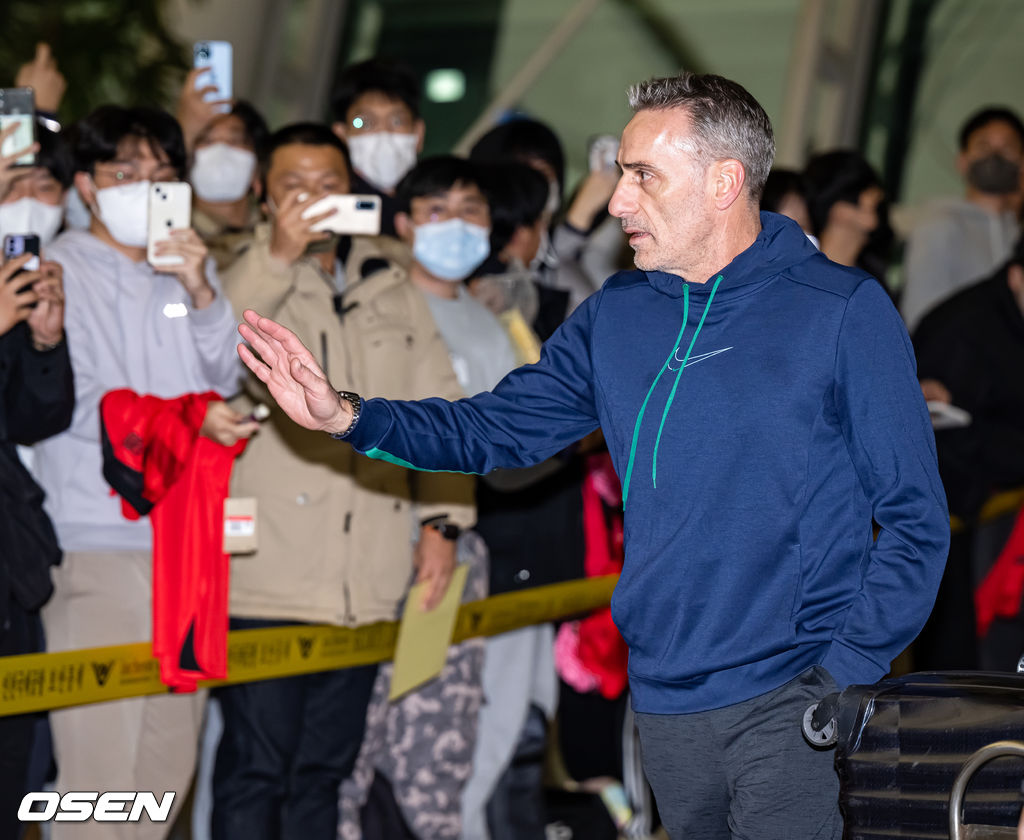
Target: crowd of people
(488, 270)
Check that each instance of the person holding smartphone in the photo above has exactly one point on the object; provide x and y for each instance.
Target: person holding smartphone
(313, 565)
(225, 181)
(32, 198)
(376, 110)
(36, 401)
(165, 332)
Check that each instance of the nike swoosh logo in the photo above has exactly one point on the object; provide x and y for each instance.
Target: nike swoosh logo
(694, 359)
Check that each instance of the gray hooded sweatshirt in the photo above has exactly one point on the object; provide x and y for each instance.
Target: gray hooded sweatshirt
(128, 326)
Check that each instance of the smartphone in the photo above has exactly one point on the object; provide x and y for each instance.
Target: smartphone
(16, 244)
(353, 214)
(602, 152)
(18, 107)
(215, 57)
(170, 208)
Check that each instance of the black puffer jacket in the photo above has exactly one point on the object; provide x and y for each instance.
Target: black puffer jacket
(36, 400)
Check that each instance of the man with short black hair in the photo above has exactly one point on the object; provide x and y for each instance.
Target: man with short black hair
(445, 219)
(377, 113)
(962, 240)
(224, 178)
(761, 406)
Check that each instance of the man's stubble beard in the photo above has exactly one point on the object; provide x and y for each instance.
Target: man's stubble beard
(693, 247)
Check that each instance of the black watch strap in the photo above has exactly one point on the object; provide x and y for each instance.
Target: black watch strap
(448, 530)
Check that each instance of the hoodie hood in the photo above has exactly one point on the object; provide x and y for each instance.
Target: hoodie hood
(780, 245)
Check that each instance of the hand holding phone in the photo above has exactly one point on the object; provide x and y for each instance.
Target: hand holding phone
(17, 297)
(170, 209)
(602, 153)
(47, 319)
(215, 59)
(349, 214)
(291, 231)
(16, 244)
(225, 425)
(18, 113)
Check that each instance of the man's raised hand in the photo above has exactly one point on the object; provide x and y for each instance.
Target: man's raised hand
(292, 375)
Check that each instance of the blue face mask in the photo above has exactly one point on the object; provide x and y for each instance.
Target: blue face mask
(451, 249)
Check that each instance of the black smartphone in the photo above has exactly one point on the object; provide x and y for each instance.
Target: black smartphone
(16, 244)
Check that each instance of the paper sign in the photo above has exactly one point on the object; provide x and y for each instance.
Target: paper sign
(239, 526)
(424, 637)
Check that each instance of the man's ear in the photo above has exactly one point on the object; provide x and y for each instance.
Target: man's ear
(339, 130)
(86, 189)
(961, 164)
(729, 180)
(404, 227)
(420, 128)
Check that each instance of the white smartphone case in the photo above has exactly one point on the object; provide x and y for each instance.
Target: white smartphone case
(170, 208)
(217, 57)
(353, 214)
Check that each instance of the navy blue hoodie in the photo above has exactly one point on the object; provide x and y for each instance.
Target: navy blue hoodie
(759, 422)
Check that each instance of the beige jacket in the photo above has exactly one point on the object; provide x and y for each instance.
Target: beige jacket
(224, 243)
(336, 529)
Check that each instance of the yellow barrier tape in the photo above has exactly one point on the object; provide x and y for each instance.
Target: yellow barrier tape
(40, 681)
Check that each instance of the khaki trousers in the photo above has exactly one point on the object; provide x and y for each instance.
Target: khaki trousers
(139, 744)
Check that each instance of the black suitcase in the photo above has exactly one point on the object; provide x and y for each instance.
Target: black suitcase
(902, 743)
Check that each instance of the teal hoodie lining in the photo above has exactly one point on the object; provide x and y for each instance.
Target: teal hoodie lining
(672, 393)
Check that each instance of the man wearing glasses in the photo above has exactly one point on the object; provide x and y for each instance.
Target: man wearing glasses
(166, 333)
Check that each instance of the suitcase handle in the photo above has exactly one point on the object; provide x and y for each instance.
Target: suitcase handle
(959, 831)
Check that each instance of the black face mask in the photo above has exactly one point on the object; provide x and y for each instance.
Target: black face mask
(994, 174)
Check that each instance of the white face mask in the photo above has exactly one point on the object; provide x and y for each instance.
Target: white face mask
(222, 172)
(29, 215)
(451, 249)
(124, 211)
(383, 157)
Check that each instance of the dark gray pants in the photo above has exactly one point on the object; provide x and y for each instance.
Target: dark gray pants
(744, 771)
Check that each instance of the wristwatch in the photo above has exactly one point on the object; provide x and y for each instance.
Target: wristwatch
(356, 402)
(448, 530)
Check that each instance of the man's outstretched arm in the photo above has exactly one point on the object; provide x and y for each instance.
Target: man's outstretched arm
(533, 413)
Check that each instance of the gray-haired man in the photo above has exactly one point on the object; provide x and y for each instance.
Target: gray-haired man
(761, 407)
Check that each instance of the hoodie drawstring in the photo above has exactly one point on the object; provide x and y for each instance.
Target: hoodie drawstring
(675, 385)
